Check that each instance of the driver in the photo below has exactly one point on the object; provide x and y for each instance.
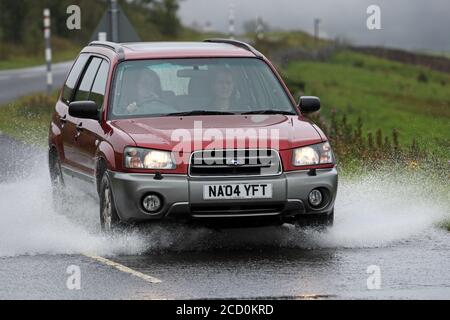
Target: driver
(223, 89)
(148, 88)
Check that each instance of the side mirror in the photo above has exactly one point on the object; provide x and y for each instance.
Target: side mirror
(309, 104)
(84, 110)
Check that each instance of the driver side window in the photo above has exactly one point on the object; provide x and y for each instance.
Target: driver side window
(99, 87)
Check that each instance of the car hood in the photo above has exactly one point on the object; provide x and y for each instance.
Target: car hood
(201, 131)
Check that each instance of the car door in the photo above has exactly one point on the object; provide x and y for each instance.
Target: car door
(83, 137)
(67, 124)
(89, 131)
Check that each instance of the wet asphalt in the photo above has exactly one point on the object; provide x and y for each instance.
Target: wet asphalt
(408, 272)
(412, 268)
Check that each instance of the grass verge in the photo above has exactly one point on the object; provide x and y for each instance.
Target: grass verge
(28, 118)
(15, 57)
(32, 61)
(386, 95)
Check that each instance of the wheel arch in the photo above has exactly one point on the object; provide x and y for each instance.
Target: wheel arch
(104, 160)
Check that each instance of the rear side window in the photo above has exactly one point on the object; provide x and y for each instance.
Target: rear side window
(73, 77)
(99, 87)
(88, 79)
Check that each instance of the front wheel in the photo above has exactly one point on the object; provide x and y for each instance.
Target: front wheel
(109, 219)
(56, 180)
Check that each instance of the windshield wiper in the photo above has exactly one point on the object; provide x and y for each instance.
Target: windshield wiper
(198, 113)
(269, 112)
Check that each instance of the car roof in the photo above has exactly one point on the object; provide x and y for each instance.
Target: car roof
(152, 50)
(183, 49)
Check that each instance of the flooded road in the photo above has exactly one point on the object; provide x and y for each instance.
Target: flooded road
(386, 243)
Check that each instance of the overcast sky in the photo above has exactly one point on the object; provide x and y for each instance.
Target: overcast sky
(408, 24)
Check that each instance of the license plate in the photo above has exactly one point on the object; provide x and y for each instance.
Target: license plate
(237, 191)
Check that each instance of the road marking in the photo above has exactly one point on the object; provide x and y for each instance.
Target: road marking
(28, 76)
(125, 269)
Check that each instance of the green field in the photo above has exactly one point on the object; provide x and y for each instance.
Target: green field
(385, 94)
(15, 56)
(31, 61)
(28, 118)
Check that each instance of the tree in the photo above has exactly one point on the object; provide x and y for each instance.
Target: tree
(165, 16)
(13, 14)
(21, 22)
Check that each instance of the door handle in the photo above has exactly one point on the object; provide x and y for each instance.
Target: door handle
(79, 129)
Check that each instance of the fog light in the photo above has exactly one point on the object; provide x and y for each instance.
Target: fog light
(315, 197)
(151, 203)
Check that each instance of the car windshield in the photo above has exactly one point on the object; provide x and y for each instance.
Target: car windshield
(145, 88)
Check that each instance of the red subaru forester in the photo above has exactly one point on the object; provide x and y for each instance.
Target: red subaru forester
(189, 131)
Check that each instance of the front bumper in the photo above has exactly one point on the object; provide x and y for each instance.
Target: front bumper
(183, 196)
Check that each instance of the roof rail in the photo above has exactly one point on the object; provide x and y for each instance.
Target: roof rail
(237, 43)
(116, 47)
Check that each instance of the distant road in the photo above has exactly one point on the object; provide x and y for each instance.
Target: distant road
(19, 82)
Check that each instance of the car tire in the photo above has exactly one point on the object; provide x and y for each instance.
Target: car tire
(109, 219)
(56, 181)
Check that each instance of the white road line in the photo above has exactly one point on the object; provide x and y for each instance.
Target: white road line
(125, 269)
(29, 75)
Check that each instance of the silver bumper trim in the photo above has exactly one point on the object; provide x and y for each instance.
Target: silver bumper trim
(181, 192)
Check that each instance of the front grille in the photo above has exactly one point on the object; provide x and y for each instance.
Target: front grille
(248, 162)
(247, 209)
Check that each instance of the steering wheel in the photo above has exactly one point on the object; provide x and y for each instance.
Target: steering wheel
(148, 101)
(152, 99)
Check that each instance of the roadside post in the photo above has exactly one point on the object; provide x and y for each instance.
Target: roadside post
(231, 21)
(316, 30)
(259, 28)
(48, 50)
(113, 10)
(102, 36)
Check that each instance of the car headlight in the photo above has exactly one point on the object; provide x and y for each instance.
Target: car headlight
(311, 155)
(140, 158)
